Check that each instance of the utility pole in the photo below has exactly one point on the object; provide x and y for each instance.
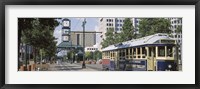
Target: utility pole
(84, 22)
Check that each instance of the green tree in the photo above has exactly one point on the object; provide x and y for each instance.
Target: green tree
(88, 55)
(37, 32)
(110, 38)
(127, 32)
(97, 55)
(149, 26)
(23, 25)
(40, 37)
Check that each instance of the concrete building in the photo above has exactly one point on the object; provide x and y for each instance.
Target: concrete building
(175, 23)
(107, 23)
(77, 38)
(136, 22)
(91, 49)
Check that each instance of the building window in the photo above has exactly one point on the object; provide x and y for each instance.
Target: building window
(174, 21)
(117, 29)
(107, 20)
(175, 36)
(107, 24)
(117, 20)
(177, 21)
(78, 35)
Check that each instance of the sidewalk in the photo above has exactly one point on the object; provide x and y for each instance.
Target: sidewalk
(52, 67)
(79, 65)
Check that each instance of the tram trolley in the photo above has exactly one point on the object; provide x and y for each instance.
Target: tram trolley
(156, 52)
(108, 65)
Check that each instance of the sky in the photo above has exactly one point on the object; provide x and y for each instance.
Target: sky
(76, 25)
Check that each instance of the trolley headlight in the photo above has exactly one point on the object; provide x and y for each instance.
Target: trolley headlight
(169, 66)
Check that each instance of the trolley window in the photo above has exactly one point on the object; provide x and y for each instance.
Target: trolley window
(161, 51)
(120, 54)
(127, 51)
(131, 54)
(143, 52)
(134, 52)
(123, 53)
(152, 51)
(169, 51)
(138, 52)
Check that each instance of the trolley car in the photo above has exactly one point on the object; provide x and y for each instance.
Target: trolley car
(151, 53)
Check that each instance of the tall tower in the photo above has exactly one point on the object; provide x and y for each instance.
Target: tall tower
(66, 30)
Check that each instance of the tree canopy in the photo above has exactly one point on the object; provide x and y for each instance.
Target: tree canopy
(149, 26)
(127, 33)
(38, 32)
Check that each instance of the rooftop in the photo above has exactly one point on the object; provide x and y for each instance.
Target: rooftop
(152, 39)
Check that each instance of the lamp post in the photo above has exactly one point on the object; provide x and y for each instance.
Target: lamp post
(83, 25)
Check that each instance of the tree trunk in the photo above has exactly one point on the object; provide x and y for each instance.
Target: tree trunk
(34, 55)
(41, 59)
(19, 61)
(29, 52)
(25, 56)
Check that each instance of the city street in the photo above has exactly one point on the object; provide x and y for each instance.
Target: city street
(64, 66)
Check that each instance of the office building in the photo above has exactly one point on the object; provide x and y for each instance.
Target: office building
(77, 38)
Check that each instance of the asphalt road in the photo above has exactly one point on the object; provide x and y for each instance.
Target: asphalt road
(64, 66)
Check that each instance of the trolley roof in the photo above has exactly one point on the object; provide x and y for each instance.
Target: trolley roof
(152, 39)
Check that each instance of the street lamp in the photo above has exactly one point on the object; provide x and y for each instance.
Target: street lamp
(84, 22)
